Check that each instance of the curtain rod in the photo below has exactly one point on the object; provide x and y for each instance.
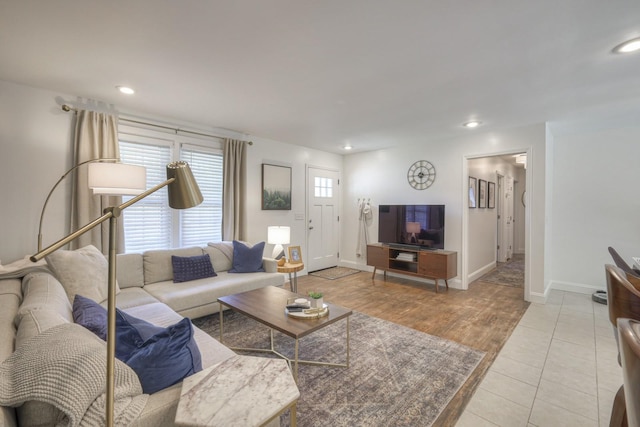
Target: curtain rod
(67, 108)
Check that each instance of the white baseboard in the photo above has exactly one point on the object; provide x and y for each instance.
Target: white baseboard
(580, 288)
(481, 271)
(539, 298)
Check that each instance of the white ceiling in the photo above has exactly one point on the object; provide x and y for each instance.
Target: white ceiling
(371, 73)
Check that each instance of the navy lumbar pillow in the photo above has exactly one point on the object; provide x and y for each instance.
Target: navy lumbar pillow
(191, 268)
(246, 259)
(159, 356)
(91, 315)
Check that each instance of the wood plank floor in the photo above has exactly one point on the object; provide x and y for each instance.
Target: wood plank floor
(482, 317)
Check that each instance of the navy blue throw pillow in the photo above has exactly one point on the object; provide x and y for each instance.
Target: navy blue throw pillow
(246, 259)
(91, 315)
(191, 268)
(159, 356)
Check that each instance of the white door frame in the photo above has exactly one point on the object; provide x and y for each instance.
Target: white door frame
(464, 258)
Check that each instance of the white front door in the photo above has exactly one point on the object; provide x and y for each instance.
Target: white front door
(323, 192)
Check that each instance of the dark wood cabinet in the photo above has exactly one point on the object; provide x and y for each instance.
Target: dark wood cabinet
(435, 265)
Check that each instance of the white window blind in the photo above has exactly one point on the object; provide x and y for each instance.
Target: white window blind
(203, 224)
(148, 223)
(151, 223)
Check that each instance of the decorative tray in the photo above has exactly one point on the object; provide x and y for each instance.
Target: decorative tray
(309, 313)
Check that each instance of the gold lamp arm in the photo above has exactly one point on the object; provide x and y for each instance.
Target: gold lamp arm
(44, 207)
(109, 212)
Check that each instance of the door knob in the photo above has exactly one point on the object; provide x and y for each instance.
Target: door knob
(311, 227)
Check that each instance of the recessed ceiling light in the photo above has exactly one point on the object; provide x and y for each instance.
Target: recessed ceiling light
(347, 147)
(126, 90)
(628, 46)
(472, 124)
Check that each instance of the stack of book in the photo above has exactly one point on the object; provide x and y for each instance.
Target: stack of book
(406, 256)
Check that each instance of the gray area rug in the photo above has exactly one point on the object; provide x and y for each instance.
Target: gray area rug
(397, 376)
(334, 273)
(507, 273)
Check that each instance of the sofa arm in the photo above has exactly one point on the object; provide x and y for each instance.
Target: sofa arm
(270, 265)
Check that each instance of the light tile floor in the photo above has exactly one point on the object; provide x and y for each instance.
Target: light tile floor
(558, 368)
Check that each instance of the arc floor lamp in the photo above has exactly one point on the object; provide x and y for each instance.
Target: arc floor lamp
(109, 178)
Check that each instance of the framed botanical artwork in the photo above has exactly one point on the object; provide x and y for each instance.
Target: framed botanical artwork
(491, 195)
(276, 188)
(295, 255)
(473, 188)
(482, 193)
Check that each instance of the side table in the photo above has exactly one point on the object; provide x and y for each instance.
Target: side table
(292, 268)
(242, 391)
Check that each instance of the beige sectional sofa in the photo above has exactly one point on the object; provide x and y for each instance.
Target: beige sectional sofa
(37, 301)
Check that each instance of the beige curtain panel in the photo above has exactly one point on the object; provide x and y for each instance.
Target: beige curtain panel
(96, 137)
(233, 196)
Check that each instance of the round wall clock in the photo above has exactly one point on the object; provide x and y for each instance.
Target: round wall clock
(421, 175)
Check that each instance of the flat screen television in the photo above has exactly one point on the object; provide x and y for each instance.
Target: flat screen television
(419, 226)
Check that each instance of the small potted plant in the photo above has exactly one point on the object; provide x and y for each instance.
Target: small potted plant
(316, 299)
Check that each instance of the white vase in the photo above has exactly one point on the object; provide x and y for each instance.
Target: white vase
(317, 302)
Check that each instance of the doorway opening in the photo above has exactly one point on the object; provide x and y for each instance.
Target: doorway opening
(494, 232)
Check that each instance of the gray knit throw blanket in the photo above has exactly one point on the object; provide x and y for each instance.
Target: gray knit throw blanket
(65, 366)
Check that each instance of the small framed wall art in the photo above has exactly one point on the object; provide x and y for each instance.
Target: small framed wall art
(473, 189)
(276, 188)
(482, 193)
(295, 255)
(491, 194)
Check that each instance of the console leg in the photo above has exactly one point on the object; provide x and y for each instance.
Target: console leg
(373, 276)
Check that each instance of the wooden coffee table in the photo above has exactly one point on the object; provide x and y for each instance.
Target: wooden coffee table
(267, 306)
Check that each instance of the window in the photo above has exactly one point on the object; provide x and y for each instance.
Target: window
(151, 223)
(203, 223)
(323, 187)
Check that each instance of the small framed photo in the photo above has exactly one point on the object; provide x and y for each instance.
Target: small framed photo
(491, 194)
(473, 189)
(295, 255)
(482, 193)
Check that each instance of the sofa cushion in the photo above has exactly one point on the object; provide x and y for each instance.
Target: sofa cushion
(247, 259)
(160, 356)
(10, 297)
(130, 271)
(157, 263)
(83, 271)
(42, 290)
(91, 315)
(186, 269)
(36, 321)
(221, 254)
(207, 291)
(132, 297)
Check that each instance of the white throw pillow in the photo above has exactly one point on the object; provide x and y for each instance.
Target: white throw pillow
(84, 271)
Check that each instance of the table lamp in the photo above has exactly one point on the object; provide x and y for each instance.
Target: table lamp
(278, 236)
(183, 193)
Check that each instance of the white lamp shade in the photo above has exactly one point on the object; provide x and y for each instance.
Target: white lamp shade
(117, 179)
(413, 227)
(278, 236)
